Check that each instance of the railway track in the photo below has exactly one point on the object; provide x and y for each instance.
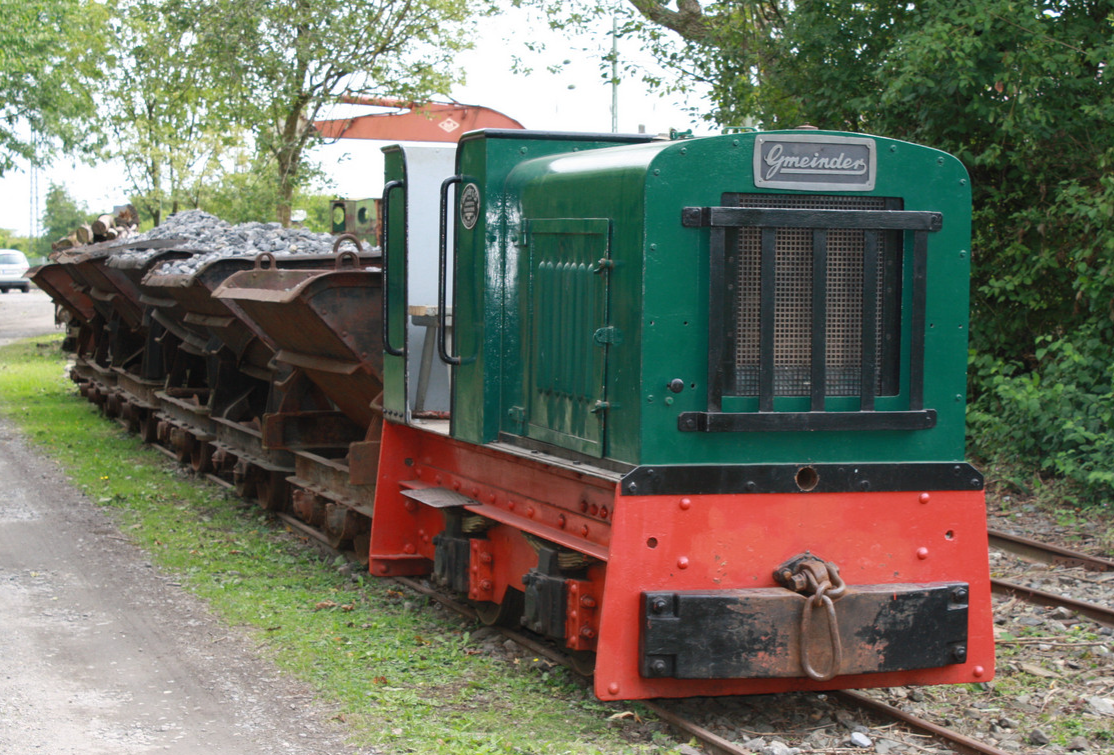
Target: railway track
(665, 709)
(670, 711)
(1054, 556)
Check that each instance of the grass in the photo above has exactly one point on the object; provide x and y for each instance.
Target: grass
(404, 676)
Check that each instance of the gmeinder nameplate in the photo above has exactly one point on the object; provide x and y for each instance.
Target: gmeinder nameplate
(814, 162)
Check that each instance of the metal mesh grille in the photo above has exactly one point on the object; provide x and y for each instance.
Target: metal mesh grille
(793, 301)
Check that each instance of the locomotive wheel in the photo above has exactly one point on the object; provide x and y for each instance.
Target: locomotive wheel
(505, 614)
(583, 662)
(201, 457)
(271, 490)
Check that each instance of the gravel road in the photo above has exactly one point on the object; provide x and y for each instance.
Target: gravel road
(101, 653)
(23, 315)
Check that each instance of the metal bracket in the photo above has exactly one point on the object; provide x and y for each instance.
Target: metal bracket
(546, 602)
(608, 335)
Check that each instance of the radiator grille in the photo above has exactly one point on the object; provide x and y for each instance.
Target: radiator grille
(793, 301)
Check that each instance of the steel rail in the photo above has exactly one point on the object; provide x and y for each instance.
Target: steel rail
(709, 739)
(960, 742)
(1101, 614)
(1046, 553)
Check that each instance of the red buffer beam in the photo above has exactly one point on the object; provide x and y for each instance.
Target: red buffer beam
(416, 122)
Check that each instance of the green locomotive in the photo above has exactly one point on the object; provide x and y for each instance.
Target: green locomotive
(705, 407)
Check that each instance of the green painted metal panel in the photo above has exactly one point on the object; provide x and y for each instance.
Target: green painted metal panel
(607, 184)
(567, 314)
(675, 342)
(659, 297)
(488, 384)
(394, 249)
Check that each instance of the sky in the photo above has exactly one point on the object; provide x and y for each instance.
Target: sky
(575, 99)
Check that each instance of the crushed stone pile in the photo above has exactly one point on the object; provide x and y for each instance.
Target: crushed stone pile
(211, 238)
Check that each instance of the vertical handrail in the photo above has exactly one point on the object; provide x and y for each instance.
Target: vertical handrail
(387, 189)
(442, 274)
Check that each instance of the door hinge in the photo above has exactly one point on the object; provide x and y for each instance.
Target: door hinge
(608, 335)
(516, 415)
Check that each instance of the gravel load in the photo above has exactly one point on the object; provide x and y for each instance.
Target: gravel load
(212, 238)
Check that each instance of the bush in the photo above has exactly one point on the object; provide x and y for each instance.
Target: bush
(1056, 417)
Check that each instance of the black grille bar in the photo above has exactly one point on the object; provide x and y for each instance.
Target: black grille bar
(881, 220)
(766, 319)
(733, 422)
(916, 345)
(819, 376)
(717, 322)
(869, 320)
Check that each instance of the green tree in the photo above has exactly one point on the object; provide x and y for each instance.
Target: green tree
(50, 53)
(247, 191)
(168, 120)
(287, 61)
(9, 240)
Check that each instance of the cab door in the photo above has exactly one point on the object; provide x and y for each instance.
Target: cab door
(414, 383)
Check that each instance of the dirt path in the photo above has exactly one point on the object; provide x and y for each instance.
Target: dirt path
(100, 653)
(25, 314)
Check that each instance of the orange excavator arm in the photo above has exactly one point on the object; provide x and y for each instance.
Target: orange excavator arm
(415, 122)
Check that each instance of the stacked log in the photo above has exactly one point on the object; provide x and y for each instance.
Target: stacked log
(120, 223)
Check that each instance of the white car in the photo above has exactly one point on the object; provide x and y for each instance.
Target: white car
(13, 264)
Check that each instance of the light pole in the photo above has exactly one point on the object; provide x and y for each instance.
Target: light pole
(614, 76)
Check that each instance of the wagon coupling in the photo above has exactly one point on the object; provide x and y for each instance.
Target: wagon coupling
(820, 581)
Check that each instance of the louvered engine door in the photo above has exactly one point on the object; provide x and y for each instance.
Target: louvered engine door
(567, 316)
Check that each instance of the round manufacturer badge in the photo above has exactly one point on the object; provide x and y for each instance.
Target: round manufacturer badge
(470, 206)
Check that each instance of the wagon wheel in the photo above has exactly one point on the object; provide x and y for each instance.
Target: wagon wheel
(148, 425)
(201, 457)
(583, 662)
(244, 478)
(345, 526)
(271, 490)
(131, 413)
(183, 446)
(337, 525)
(361, 546)
(505, 614)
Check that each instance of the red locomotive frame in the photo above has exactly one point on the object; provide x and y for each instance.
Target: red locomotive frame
(676, 543)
